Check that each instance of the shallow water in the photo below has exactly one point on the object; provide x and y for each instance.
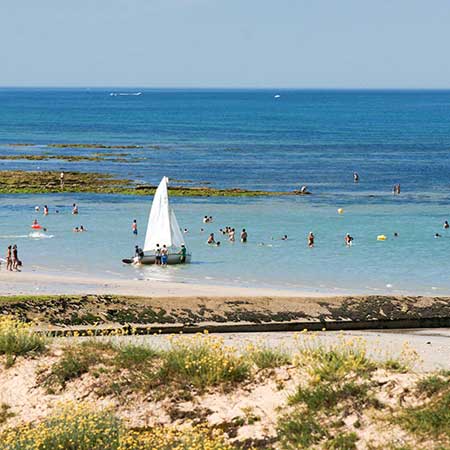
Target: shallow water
(246, 139)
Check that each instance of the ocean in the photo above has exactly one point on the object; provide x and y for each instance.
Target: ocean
(247, 139)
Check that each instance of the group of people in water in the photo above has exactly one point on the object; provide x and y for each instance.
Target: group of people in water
(231, 233)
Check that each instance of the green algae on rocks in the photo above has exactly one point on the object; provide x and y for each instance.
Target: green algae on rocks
(28, 182)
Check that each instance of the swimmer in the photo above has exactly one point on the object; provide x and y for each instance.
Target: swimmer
(310, 239)
(211, 239)
(76, 230)
(218, 244)
(355, 177)
(446, 225)
(202, 230)
(437, 235)
(348, 240)
(45, 210)
(395, 234)
(185, 230)
(244, 236)
(304, 189)
(231, 235)
(205, 219)
(210, 219)
(36, 208)
(74, 209)
(82, 228)
(284, 238)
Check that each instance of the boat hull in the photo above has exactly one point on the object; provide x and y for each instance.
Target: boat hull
(173, 258)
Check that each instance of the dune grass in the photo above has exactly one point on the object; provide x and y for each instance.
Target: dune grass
(83, 427)
(18, 339)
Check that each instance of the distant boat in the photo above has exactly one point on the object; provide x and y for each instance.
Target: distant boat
(115, 94)
(277, 96)
(162, 229)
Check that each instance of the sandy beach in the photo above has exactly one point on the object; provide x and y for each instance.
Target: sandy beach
(30, 283)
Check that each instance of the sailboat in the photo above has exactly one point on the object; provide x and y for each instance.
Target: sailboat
(162, 229)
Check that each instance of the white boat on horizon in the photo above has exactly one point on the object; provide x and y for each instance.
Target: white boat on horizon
(162, 229)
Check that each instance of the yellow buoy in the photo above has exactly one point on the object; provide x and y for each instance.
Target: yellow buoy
(340, 211)
(381, 237)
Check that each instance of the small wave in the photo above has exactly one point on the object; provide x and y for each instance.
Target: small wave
(7, 236)
(39, 235)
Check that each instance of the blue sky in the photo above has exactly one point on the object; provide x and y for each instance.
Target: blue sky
(228, 43)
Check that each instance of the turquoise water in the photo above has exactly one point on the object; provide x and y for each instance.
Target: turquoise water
(246, 139)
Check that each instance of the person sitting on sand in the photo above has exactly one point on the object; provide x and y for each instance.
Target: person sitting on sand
(310, 239)
(211, 239)
(74, 209)
(164, 255)
(348, 240)
(446, 225)
(158, 255)
(45, 210)
(244, 236)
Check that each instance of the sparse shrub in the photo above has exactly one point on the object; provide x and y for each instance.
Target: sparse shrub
(265, 357)
(433, 384)
(203, 361)
(343, 441)
(299, 430)
(17, 338)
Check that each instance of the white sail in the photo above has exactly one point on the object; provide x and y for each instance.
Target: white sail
(162, 228)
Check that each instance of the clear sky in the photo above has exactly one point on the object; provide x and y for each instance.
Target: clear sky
(226, 43)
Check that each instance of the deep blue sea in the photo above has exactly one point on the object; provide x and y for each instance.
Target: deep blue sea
(248, 139)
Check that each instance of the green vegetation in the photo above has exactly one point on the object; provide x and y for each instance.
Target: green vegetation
(344, 441)
(18, 339)
(265, 357)
(5, 413)
(299, 430)
(24, 182)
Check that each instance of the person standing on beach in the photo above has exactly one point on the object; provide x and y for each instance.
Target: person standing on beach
(158, 255)
(15, 258)
(310, 239)
(61, 180)
(244, 236)
(8, 258)
(134, 227)
(164, 255)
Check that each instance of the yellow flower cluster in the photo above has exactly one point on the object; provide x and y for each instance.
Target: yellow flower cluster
(78, 426)
(205, 360)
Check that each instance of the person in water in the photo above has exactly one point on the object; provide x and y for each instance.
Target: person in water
(244, 236)
(446, 225)
(82, 228)
(74, 209)
(355, 177)
(348, 240)
(205, 219)
(76, 230)
(138, 253)
(231, 235)
(158, 255)
(45, 210)
(134, 227)
(284, 238)
(182, 253)
(211, 239)
(310, 239)
(164, 255)
(437, 235)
